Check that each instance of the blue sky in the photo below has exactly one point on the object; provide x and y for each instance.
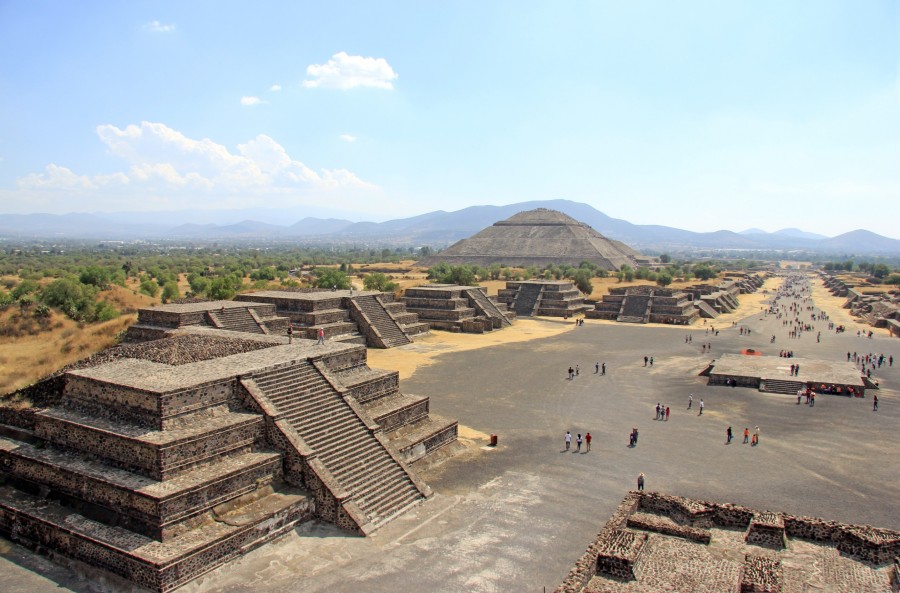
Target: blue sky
(699, 115)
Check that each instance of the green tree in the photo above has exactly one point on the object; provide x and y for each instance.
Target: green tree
(332, 278)
(220, 289)
(25, 287)
(96, 276)
(379, 281)
(170, 291)
(664, 279)
(149, 287)
(665, 258)
(582, 278)
(880, 270)
(704, 271)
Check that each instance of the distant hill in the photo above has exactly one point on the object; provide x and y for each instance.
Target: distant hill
(437, 229)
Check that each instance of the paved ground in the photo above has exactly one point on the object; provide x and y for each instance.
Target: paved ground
(515, 518)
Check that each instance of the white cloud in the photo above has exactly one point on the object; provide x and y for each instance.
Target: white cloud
(165, 168)
(275, 88)
(344, 72)
(348, 137)
(251, 101)
(158, 27)
(55, 177)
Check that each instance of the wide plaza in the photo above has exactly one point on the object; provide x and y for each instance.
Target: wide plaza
(515, 517)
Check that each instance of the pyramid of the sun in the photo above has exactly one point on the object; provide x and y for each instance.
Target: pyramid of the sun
(538, 238)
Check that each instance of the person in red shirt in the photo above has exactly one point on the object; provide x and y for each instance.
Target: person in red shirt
(587, 440)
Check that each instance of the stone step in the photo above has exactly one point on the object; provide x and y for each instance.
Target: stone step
(40, 524)
(347, 459)
(155, 507)
(378, 499)
(326, 432)
(154, 453)
(374, 470)
(393, 411)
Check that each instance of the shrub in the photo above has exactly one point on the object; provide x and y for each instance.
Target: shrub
(379, 281)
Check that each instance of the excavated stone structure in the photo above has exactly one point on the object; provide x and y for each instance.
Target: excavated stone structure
(538, 238)
(646, 304)
(160, 461)
(543, 298)
(247, 317)
(719, 298)
(770, 374)
(457, 308)
(657, 542)
(369, 317)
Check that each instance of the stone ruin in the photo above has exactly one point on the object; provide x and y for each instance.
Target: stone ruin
(676, 306)
(369, 317)
(543, 298)
(874, 306)
(162, 460)
(457, 308)
(646, 304)
(656, 542)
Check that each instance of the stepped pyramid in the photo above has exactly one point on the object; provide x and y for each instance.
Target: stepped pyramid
(537, 238)
(158, 461)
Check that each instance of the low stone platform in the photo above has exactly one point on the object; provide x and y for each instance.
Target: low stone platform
(766, 372)
(642, 549)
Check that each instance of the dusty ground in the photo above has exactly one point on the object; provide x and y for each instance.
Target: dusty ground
(426, 349)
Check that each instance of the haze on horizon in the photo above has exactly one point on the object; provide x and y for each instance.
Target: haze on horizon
(696, 115)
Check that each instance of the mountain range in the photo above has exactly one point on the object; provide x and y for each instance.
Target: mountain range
(436, 229)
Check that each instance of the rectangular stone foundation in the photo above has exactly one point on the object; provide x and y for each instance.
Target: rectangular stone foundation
(619, 554)
(761, 574)
(767, 529)
(43, 526)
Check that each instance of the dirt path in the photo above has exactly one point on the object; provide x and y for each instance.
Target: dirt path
(834, 306)
(423, 352)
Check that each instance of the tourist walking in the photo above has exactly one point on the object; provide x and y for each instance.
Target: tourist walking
(746, 435)
(728, 436)
(290, 333)
(690, 401)
(603, 368)
(701, 408)
(874, 403)
(587, 442)
(568, 440)
(641, 482)
(756, 436)
(667, 413)
(321, 335)
(645, 360)
(578, 441)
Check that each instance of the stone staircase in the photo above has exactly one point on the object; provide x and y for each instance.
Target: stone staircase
(527, 298)
(487, 307)
(332, 427)
(781, 386)
(236, 319)
(375, 316)
(705, 310)
(635, 308)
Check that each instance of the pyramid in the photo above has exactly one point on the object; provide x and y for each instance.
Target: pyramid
(537, 238)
